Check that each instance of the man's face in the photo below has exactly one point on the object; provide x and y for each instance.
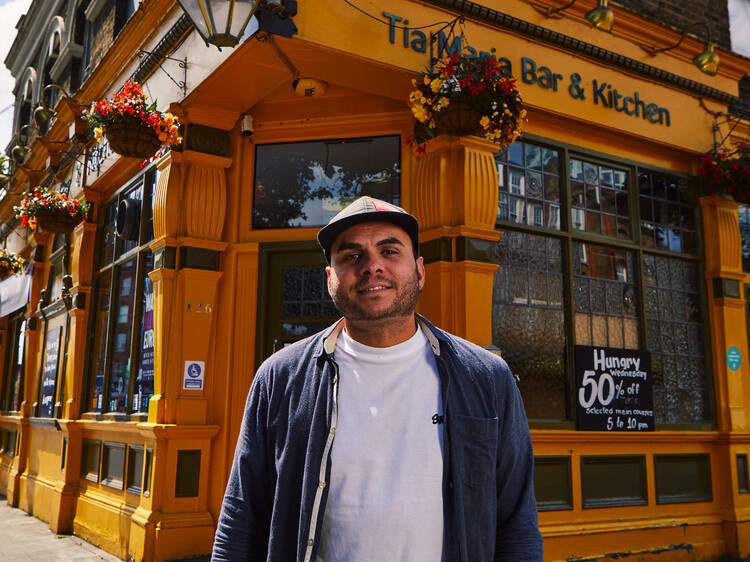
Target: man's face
(373, 274)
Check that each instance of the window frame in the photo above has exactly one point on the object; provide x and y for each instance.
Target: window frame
(568, 236)
(146, 180)
(15, 327)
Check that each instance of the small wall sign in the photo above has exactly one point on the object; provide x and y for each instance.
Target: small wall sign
(193, 377)
(614, 390)
(734, 358)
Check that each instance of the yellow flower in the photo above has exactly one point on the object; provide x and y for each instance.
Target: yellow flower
(426, 80)
(431, 124)
(484, 121)
(444, 102)
(414, 96)
(98, 133)
(436, 84)
(414, 82)
(522, 114)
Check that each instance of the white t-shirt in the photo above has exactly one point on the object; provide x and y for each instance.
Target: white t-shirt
(385, 500)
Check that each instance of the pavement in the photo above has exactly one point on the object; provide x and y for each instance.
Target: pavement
(24, 538)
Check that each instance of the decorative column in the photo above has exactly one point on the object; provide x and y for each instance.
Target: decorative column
(32, 336)
(728, 333)
(190, 201)
(456, 203)
(189, 210)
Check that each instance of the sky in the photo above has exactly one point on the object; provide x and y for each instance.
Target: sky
(11, 10)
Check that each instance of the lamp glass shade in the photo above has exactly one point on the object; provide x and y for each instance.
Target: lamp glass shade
(707, 61)
(601, 17)
(18, 153)
(43, 115)
(220, 22)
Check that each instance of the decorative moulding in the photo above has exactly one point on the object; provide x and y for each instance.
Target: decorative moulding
(67, 53)
(94, 9)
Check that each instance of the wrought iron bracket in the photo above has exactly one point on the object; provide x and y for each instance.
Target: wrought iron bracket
(181, 64)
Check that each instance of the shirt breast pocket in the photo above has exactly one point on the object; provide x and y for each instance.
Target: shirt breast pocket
(475, 443)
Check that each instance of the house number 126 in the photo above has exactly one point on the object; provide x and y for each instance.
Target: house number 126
(200, 308)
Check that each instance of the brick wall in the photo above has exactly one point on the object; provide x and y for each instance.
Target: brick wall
(681, 13)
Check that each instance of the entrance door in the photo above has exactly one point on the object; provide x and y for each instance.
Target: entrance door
(293, 302)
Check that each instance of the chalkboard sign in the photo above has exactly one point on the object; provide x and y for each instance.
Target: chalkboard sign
(613, 389)
(49, 376)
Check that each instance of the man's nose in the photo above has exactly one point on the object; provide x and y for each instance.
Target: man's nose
(370, 263)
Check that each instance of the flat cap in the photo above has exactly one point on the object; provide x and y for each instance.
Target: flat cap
(367, 209)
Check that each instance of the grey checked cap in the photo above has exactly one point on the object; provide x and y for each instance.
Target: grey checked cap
(367, 209)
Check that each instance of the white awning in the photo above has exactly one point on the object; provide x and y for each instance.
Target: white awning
(14, 292)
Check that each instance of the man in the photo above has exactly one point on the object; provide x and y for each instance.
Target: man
(381, 438)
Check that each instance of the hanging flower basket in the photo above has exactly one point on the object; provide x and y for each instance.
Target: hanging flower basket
(134, 140)
(466, 95)
(59, 221)
(51, 210)
(726, 171)
(133, 127)
(10, 264)
(459, 118)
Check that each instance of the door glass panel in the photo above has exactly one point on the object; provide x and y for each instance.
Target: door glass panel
(99, 334)
(120, 357)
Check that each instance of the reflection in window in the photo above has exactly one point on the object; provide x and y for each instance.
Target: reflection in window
(528, 323)
(307, 183)
(306, 306)
(606, 311)
(744, 216)
(675, 339)
(599, 199)
(13, 390)
(529, 180)
(667, 220)
(120, 375)
(120, 360)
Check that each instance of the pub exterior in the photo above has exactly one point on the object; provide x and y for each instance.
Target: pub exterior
(584, 249)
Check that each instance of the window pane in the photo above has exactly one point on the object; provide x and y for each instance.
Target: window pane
(603, 192)
(744, 213)
(135, 196)
(144, 383)
(675, 339)
(120, 359)
(533, 181)
(107, 235)
(605, 296)
(16, 365)
(99, 343)
(307, 183)
(528, 324)
(665, 213)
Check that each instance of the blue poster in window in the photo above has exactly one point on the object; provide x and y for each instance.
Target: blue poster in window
(49, 375)
(145, 381)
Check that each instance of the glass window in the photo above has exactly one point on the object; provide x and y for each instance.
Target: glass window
(628, 289)
(599, 199)
(529, 326)
(667, 220)
(307, 183)
(606, 312)
(122, 343)
(744, 216)
(529, 180)
(676, 340)
(12, 394)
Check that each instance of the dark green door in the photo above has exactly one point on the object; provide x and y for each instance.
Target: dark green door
(293, 300)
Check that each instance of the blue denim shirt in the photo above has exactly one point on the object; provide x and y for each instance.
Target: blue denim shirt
(276, 495)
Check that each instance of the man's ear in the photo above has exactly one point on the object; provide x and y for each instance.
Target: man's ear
(420, 272)
(328, 280)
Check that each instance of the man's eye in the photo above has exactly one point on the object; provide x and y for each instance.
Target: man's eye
(351, 257)
(390, 251)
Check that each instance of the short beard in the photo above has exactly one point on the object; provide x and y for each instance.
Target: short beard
(403, 304)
